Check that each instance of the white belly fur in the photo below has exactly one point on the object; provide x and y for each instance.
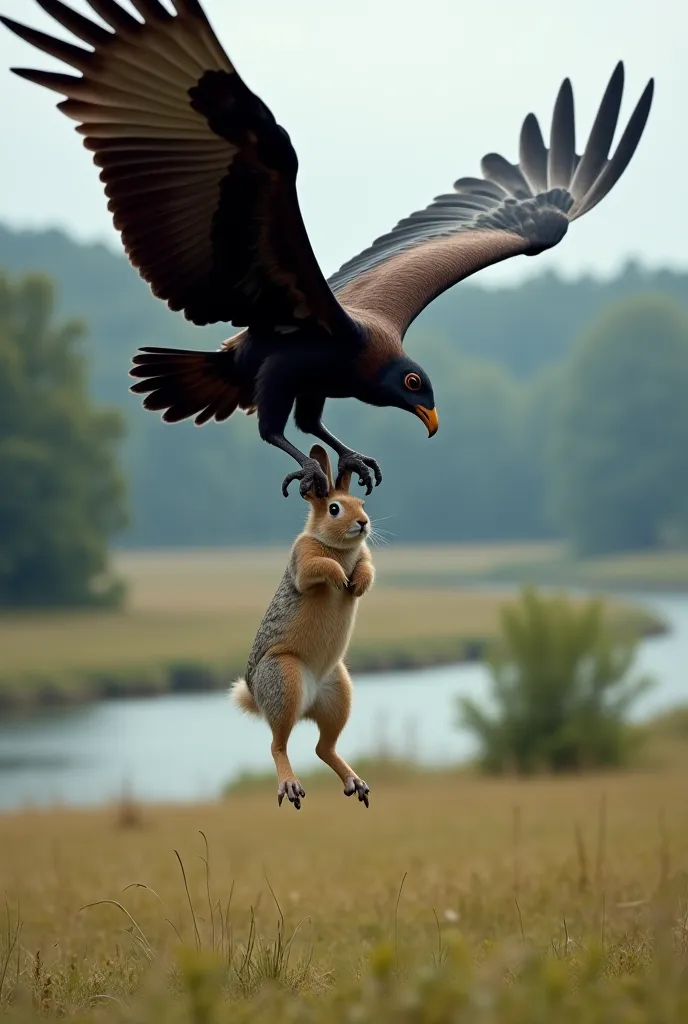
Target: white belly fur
(310, 688)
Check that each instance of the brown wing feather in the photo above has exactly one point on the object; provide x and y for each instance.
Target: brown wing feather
(398, 289)
(512, 210)
(199, 175)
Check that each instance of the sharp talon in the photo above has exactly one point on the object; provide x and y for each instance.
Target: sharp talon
(361, 466)
(289, 480)
(311, 477)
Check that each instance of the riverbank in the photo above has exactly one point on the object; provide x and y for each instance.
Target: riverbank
(191, 617)
(27, 691)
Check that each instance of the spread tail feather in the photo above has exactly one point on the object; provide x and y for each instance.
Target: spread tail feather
(184, 383)
(243, 698)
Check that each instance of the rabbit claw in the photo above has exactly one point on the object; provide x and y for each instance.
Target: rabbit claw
(293, 790)
(355, 785)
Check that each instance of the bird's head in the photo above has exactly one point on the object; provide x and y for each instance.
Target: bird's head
(406, 385)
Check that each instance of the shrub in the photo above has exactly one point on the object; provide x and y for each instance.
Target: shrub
(561, 689)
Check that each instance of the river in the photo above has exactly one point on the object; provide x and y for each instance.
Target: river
(178, 748)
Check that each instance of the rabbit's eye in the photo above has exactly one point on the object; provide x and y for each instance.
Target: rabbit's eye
(334, 509)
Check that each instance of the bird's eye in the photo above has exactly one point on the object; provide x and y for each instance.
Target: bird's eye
(413, 382)
(334, 509)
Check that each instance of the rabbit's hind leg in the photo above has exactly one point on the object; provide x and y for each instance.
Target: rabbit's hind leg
(331, 712)
(277, 685)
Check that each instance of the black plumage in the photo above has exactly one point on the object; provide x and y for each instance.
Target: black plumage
(201, 183)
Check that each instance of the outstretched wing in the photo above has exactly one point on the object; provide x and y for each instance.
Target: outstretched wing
(201, 179)
(513, 209)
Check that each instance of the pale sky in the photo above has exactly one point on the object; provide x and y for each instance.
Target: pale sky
(388, 102)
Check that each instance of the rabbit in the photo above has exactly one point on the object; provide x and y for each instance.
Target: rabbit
(296, 665)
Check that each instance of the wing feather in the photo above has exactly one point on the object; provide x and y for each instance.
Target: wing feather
(199, 176)
(514, 209)
(533, 155)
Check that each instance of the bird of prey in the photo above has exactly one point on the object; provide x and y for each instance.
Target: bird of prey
(201, 182)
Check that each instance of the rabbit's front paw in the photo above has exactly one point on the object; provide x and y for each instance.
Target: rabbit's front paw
(338, 578)
(361, 582)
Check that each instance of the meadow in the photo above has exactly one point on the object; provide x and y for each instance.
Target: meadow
(190, 618)
(452, 899)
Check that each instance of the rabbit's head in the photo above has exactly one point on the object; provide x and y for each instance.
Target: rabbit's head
(338, 520)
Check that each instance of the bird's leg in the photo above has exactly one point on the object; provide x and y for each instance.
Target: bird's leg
(310, 474)
(307, 418)
(272, 419)
(350, 461)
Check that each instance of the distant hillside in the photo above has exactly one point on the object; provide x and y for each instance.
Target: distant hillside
(100, 286)
(485, 349)
(530, 326)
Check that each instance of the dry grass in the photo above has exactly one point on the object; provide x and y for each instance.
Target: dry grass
(224, 632)
(655, 570)
(638, 569)
(204, 580)
(204, 607)
(563, 890)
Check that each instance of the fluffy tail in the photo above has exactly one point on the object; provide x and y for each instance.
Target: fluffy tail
(185, 383)
(243, 698)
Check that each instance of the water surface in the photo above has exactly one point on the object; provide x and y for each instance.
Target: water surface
(186, 747)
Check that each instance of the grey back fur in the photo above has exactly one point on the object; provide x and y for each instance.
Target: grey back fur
(277, 618)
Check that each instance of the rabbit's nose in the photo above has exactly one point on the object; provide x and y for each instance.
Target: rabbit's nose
(363, 523)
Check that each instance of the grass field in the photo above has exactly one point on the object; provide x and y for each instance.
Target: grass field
(193, 615)
(550, 564)
(451, 900)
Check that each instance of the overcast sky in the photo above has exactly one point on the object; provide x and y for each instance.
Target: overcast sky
(388, 102)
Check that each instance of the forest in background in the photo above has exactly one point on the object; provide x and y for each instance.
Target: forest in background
(510, 374)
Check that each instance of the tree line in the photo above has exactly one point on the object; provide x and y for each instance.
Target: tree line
(570, 422)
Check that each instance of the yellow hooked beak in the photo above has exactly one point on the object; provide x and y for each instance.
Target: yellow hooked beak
(429, 418)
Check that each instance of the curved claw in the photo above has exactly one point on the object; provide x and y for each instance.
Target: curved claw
(311, 477)
(361, 466)
(288, 480)
(294, 792)
(355, 785)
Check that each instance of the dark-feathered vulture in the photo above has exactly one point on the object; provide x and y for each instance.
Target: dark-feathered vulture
(202, 187)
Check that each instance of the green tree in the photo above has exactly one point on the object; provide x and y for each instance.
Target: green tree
(61, 493)
(619, 457)
(560, 688)
(486, 348)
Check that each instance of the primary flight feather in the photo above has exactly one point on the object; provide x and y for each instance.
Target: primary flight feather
(201, 182)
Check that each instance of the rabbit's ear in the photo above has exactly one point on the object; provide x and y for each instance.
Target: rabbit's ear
(344, 482)
(322, 458)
